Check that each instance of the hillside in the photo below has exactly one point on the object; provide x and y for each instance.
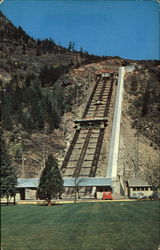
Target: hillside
(140, 130)
(35, 90)
(45, 86)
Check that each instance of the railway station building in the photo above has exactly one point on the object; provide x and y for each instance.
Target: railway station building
(136, 185)
(27, 188)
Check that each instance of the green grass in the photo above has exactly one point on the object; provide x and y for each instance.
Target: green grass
(82, 226)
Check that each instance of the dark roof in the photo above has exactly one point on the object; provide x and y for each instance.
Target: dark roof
(137, 182)
(68, 182)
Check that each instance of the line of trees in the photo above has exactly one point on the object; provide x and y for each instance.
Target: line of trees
(49, 74)
(31, 107)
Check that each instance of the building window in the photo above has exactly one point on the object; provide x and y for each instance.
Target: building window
(142, 188)
(134, 189)
(146, 188)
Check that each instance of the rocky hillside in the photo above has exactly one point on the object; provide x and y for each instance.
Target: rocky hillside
(140, 131)
(45, 86)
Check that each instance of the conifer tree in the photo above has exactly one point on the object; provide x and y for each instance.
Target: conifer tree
(51, 182)
(8, 178)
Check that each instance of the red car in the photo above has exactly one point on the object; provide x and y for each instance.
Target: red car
(107, 196)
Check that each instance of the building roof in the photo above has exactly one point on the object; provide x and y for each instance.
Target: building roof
(28, 183)
(87, 182)
(68, 182)
(138, 182)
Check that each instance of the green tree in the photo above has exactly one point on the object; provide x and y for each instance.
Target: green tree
(71, 46)
(81, 50)
(152, 173)
(77, 186)
(44, 76)
(53, 114)
(8, 177)
(51, 182)
(38, 51)
(37, 115)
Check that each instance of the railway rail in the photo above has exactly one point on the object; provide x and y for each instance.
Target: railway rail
(82, 158)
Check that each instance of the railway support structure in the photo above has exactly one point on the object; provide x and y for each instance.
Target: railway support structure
(115, 137)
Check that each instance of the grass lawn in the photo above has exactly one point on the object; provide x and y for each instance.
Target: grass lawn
(82, 226)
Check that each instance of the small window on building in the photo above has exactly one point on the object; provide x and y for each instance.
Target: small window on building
(134, 189)
(138, 189)
(142, 188)
(146, 188)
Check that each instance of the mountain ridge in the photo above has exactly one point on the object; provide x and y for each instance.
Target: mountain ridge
(43, 85)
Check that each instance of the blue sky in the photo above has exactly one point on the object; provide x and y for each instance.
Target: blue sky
(129, 29)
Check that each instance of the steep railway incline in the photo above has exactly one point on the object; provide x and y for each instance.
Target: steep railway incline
(83, 156)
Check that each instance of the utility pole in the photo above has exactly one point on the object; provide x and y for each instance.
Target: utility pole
(137, 154)
(43, 157)
(64, 123)
(23, 159)
(77, 97)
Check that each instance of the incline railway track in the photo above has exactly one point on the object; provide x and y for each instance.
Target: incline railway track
(82, 158)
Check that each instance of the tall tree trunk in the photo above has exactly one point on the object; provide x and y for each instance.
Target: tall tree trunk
(7, 200)
(49, 203)
(75, 196)
(14, 200)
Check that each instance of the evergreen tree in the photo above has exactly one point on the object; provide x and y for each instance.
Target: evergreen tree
(71, 46)
(8, 178)
(51, 182)
(55, 117)
(38, 51)
(53, 114)
(81, 50)
(44, 76)
(37, 116)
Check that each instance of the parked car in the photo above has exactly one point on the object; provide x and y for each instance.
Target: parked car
(140, 196)
(107, 196)
(145, 197)
(154, 196)
(133, 196)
